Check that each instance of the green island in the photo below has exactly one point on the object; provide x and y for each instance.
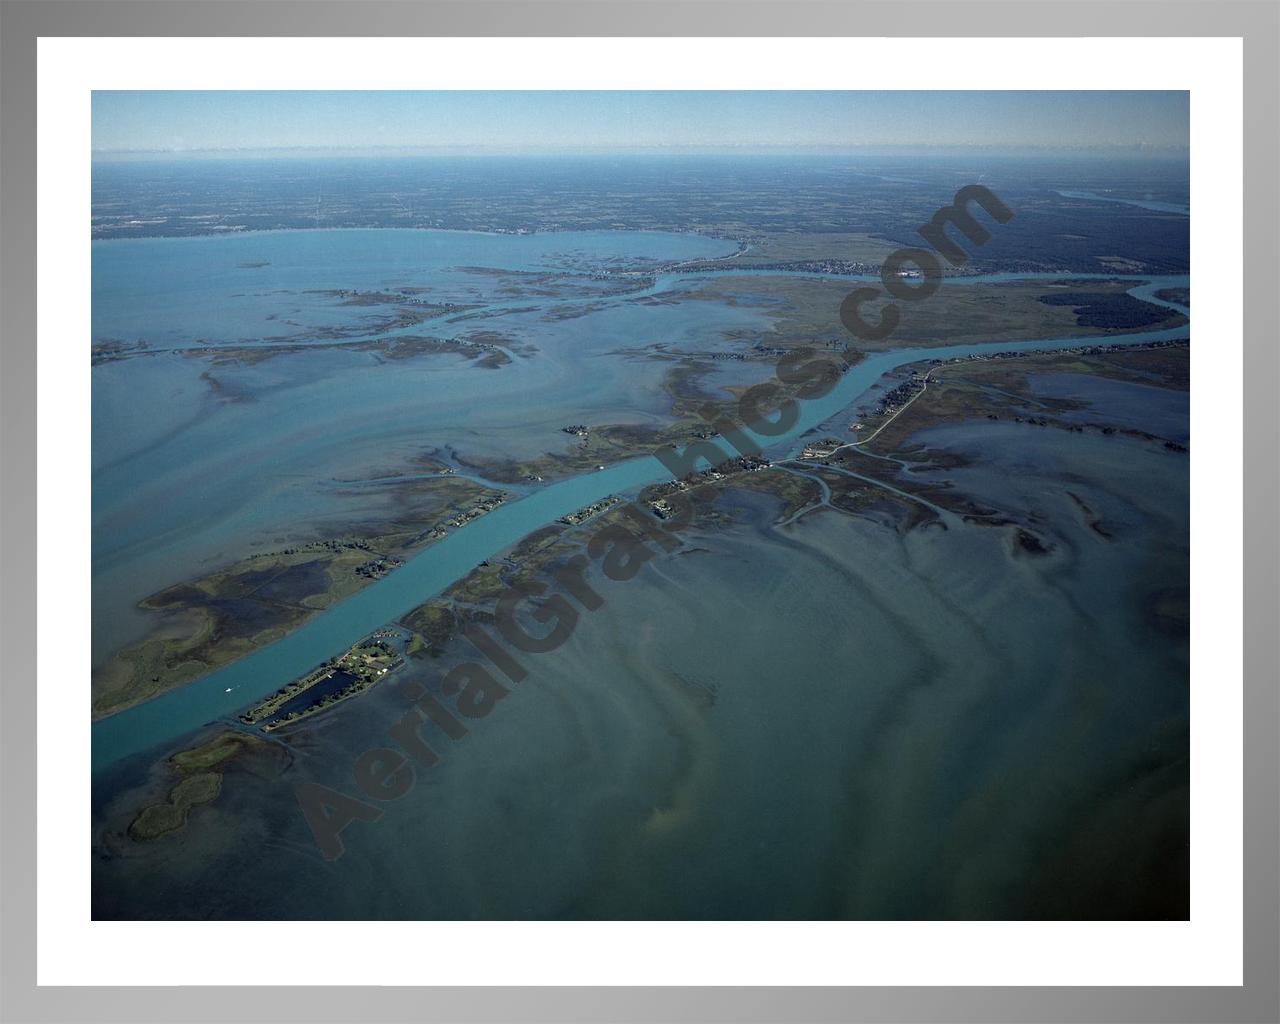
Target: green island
(196, 777)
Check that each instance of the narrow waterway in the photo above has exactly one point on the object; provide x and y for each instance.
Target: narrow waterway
(228, 690)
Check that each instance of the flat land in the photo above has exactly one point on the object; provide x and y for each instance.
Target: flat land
(806, 311)
(216, 619)
(196, 777)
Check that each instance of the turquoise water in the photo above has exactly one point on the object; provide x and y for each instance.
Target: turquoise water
(197, 460)
(266, 286)
(830, 719)
(210, 471)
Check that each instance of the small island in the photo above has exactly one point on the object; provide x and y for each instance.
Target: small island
(353, 672)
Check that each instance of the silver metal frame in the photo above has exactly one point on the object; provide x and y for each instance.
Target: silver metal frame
(23, 21)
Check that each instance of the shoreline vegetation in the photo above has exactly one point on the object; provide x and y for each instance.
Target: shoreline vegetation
(971, 390)
(304, 414)
(1024, 310)
(799, 308)
(195, 776)
(213, 620)
(742, 206)
(489, 350)
(208, 622)
(359, 668)
(880, 481)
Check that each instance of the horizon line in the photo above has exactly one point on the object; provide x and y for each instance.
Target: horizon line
(463, 149)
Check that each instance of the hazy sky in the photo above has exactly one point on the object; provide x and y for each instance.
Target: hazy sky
(567, 121)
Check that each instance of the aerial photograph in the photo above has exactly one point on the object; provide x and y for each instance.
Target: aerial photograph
(640, 505)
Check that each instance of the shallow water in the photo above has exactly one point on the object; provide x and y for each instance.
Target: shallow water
(241, 465)
(825, 719)
(196, 462)
(829, 719)
(1163, 412)
(208, 290)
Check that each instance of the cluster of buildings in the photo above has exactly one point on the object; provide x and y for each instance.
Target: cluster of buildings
(485, 504)
(334, 546)
(1075, 350)
(822, 449)
(378, 567)
(361, 667)
(583, 514)
(899, 396)
(661, 507)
